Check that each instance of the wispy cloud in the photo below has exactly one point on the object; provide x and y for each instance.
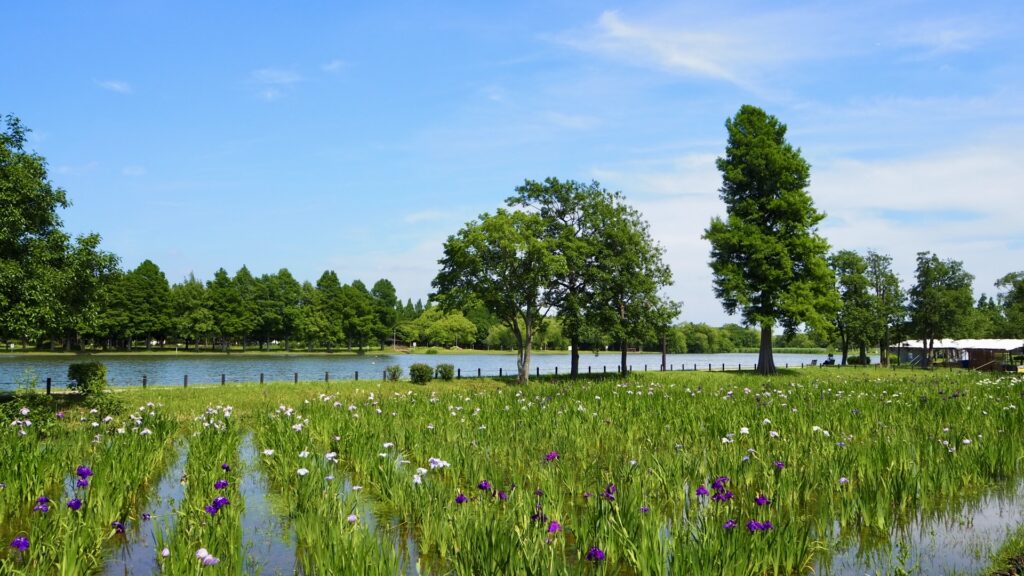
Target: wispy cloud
(334, 66)
(119, 86)
(274, 82)
(275, 76)
(936, 37)
(424, 216)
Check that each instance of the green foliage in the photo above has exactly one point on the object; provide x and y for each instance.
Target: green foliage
(941, 301)
(47, 282)
(432, 350)
(420, 373)
(87, 377)
(506, 262)
(767, 259)
(445, 372)
(393, 373)
(107, 403)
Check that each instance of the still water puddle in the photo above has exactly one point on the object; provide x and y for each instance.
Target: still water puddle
(960, 541)
(138, 554)
(269, 545)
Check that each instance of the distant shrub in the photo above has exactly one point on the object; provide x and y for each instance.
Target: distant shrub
(431, 350)
(420, 373)
(445, 372)
(106, 404)
(393, 373)
(855, 361)
(87, 377)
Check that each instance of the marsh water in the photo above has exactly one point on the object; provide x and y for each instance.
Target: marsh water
(958, 539)
(171, 368)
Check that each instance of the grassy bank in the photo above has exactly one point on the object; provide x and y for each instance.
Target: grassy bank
(693, 473)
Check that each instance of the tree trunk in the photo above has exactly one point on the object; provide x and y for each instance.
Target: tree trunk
(765, 360)
(883, 351)
(863, 354)
(664, 353)
(523, 359)
(574, 369)
(622, 357)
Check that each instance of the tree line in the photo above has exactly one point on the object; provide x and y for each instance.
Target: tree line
(562, 265)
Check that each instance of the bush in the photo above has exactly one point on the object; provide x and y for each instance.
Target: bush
(855, 360)
(87, 377)
(431, 350)
(393, 373)
(420, 373)
(445, 372)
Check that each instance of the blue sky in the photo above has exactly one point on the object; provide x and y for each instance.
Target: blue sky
(357, 137)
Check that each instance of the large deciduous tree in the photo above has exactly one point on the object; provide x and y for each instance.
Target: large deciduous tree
(614, 269)
(1011, 299)
(855, 319)
(47, 283)
(888, 300)
(505, 261)
(767, 259)
(941, 301)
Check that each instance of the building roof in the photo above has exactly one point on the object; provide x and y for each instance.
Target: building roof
(969, 344)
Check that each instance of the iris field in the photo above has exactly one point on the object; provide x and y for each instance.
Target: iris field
(660, 473)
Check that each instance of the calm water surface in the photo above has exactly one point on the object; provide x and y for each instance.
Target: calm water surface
(207, 369)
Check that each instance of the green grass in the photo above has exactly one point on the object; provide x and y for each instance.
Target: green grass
(864, 450)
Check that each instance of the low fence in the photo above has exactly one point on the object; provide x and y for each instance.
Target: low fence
(327, 376)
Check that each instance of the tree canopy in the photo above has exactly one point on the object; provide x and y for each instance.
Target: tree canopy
(767, 259)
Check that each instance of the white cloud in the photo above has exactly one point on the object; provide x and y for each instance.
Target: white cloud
(334, 66)
(274, 83)
(943, 36)
(424, 216)
(119, 86)
(275, 76)
(962, 203)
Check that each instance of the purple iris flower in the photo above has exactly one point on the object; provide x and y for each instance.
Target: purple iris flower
(82, 483)
(221, 501)
(41, 507)
(722, 496)
(762, 500)
(595, 554)
(42, 500)
(502, 495)
(74, 503)
(20, 542)
(220, 484)
(484, 485)
(551, 456)
(539, 516)
(755, 526)
(211, 509)
(84, 472)
(538, 492)
(461, 498)
(779, 464)
(719, 483)
(609, 492)
(702, 490)
(146, 516)
(225, 467)
(210, 560)
(729, 524)
(117, 526)
(554, 526)
(645, 509)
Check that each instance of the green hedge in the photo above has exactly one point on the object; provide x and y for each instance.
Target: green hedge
(420, 373)
(87, 377)
(445, 372)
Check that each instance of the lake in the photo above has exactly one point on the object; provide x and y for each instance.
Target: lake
(128, 370)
